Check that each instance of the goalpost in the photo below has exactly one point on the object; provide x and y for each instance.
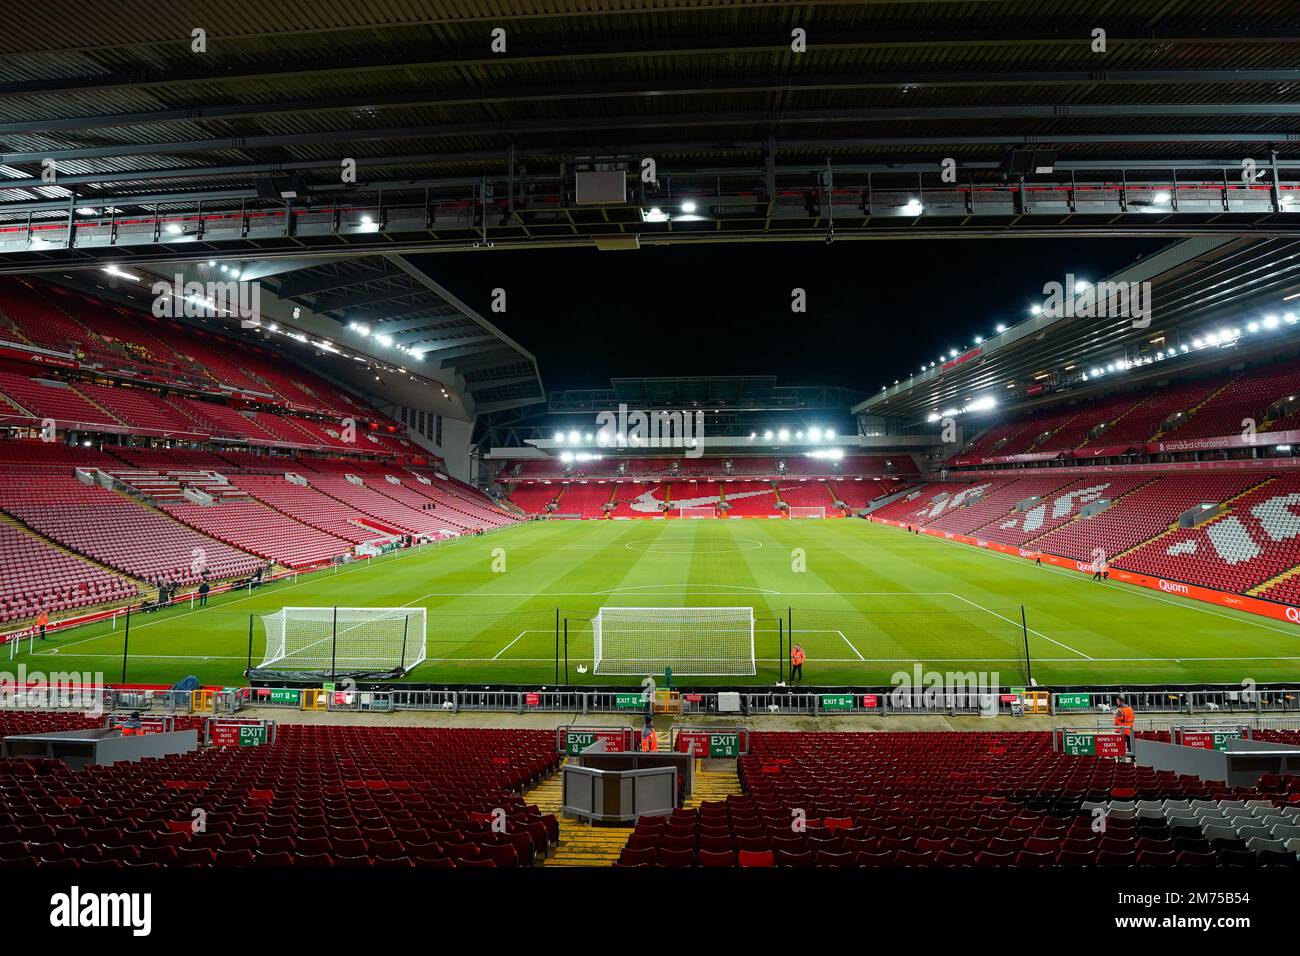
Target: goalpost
(819, 512)
(708, 512)
(693, 641)
(334, 642)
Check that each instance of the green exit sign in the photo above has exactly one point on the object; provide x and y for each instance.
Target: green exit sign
(837, 701)
(1073, 701)
(282, 696)
(629, 702)
(253, 736)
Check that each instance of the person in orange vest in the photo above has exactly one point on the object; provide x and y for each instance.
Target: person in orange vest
(42, 621)
(132, 726)
(649, 739)
(1123, 716)
(797, 657)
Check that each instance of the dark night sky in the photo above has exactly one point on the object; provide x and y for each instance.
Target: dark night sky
(876, 309)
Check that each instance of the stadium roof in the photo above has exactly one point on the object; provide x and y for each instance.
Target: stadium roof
(1200, 288)
(165, 152)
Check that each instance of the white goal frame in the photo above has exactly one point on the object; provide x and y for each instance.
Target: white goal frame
(805, 512)
(345, 639)
(700, 512)
(624, 640)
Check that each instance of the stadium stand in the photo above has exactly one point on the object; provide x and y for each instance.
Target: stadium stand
(806, 494)
(35, 575)
(48, 398)
(118, 532)
(259, 529)
(316, 797)
(584, 500)
(968, 799)
(751, 498)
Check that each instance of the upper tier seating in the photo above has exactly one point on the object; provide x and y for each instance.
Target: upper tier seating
(118, 532)
(1247, 397)
(34, 575)
(319, 796)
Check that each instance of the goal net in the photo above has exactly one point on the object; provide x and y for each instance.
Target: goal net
(330, 642)
(807, 512)
(693, 641)
(699, 513)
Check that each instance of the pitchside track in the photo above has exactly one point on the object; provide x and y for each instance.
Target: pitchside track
(867, 601)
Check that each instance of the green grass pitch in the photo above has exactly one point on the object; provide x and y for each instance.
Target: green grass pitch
(868, 602)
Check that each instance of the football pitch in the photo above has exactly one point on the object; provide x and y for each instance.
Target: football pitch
(865, 601)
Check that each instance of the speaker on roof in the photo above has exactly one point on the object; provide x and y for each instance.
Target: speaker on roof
(1024, 162)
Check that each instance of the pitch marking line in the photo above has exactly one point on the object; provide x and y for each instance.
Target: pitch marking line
(1031, 630)
(510, 645)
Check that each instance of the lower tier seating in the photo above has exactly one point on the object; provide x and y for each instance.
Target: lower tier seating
(320, 796)
(962, 799)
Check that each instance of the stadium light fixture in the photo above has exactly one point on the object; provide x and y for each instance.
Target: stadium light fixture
(85, 211)
(914, 207)
(574, 438)
(783, 434)
(767, 435)
(1163, 196)
(384, 340)
(815, 434)
(1289, 317)
(979, 340)
(274, 327)
(688, 206)
(175, 228)
(830, 433)
(115, 271)
(1252, 326)
(1000, 328)
(654, 214)
(1270, 321)
(1036, 309)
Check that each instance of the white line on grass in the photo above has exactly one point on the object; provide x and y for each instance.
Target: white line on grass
(1030, 629)
(510, 645)
(851, 647)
